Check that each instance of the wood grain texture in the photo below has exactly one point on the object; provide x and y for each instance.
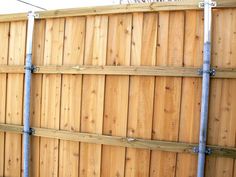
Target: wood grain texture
(141, 94)
(4, 38)
(71, 95)
(51, 96)
(167, 91)
(169, 71)
(116, 96)
(222, 121)
(93, 94)
(234, 169)
(167, 146)
(14, 105)
(190, 106)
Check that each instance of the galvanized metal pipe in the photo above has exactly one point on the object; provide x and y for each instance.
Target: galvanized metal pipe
(205, 87)
(28, 67)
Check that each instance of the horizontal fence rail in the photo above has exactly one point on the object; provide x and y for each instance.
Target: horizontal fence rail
(120, 70)
(115, 9)
(168, 146)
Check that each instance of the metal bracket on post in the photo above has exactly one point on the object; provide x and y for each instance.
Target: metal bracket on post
(32, 68)
(212, 71)
(208, 151)
(36, 15)
(30, 132)
(212, 4)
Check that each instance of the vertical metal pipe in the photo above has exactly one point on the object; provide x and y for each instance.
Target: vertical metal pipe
(205, 87)
(28, 67)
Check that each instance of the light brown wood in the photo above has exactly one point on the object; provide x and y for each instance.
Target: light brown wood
(170, 71)
(71, 95)
(14, 103)
(141, 92)
(4, 37)
(93, 94)
(51, 96)
(4, 68)
(116, 98)
(114, 9)
(168, 146)
(124, 70)
(191, 105)
(167, 91)
(222, 98)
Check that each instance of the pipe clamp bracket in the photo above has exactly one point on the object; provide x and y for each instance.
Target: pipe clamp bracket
(36, 15)
(208, 151)
(32, 68)
(30, 132)
(212, 4)
(212, 71)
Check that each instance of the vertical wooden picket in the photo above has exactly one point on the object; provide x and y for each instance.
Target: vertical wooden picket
(4, 38)
(51, 96)
(116, 95)
(167, 91)
(14, 105)
(221, 129)
(191, 105)
(71, 95)
(93, 94)
(141, 94)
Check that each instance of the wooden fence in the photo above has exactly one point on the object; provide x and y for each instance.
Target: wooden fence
(116, 91)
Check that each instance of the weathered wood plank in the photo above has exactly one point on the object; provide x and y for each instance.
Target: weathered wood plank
(93, 94)
(122, 70)
(14, 107)
(116, 96)
(4, 38)
(71, 95)
(36, 95)
(222, 129)
(141, 93)
(191, 105)
(170, 71)
(114, 9)
(51, 96)
(167, 91)
(17, 69)
(168, 146)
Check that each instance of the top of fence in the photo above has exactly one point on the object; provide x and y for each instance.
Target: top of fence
(115, 9)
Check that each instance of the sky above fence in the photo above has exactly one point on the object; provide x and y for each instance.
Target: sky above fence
(14, 6)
